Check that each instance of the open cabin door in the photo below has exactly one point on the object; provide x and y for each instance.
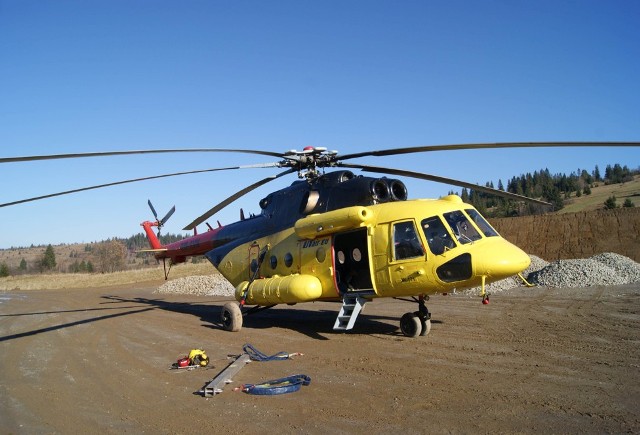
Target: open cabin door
(351, 257)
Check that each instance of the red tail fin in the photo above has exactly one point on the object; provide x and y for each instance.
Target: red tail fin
(153, 239)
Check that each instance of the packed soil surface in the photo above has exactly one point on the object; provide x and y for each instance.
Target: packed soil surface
(533, 360)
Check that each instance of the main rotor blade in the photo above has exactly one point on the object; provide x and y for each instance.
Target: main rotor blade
(121, 153)
(233, 197)
(473, 146)
(445, 180)
(99, 186)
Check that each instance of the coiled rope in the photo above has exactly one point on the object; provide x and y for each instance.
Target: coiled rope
(289, 384)
(256, 355)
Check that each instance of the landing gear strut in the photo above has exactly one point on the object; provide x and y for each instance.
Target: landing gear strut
(418, 322)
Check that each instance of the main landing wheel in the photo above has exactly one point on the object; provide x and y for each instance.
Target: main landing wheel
(418, 322)
(410, 325)
(231, 317)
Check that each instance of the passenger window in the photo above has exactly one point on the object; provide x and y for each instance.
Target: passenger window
(406, 241)
(437, 236)
(461, 227)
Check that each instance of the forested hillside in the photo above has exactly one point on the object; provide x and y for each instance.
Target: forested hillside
(556, 189)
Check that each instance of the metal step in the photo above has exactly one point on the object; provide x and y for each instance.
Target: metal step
(352, 304)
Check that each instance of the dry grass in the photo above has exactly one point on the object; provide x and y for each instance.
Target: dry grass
(81, 280)
(601, 193)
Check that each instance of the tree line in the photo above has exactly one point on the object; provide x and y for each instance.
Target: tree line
(552, 188)
(107, 256)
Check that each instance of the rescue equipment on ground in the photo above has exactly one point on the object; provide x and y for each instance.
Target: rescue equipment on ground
(289, 384)
(196, 358)
(256, 355)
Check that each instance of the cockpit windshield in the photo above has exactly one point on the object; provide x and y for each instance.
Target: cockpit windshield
(481, 223)
(463, 230)
(437, 235)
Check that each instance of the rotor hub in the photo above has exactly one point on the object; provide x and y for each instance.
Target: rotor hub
(309, 161)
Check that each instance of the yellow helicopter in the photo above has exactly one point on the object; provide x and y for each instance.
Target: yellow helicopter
(335, 236)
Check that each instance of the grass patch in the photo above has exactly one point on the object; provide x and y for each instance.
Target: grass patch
(599, 195)
(55, 281)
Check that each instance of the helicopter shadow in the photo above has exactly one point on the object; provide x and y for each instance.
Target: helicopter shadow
(316, 324)
(207, 313)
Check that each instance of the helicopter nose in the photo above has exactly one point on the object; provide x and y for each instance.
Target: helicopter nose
(500, 259)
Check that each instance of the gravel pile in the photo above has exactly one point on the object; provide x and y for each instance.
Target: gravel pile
(601, 269)
(210, 285)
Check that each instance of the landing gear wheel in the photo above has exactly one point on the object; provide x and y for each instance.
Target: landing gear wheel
(426, 327)
(231, 317)
(410, 325)
(425, 321)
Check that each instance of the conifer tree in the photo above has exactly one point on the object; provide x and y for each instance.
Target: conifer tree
(49, 259)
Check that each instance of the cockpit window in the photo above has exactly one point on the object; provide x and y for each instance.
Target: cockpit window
(481, 223)
(437, 236)
(406, 241)
(462, 228)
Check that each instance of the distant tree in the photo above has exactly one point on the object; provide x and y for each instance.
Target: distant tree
(596, 174)
(500, 185)
(628, 203)
(23, 265)
(610, 203)
(111, 256)
(587, 190)
(89, 267)
(4, 270)
(465, 195)
(49, 259)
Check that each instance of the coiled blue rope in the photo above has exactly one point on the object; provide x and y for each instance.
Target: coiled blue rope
(289, 384)
(256, 355)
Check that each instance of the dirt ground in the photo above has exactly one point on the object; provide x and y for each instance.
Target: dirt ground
(533, 360)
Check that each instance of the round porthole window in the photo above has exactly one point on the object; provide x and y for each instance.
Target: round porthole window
(288, 259)
(356, 255)
(321, 254)
(341, 257)
(274, 261)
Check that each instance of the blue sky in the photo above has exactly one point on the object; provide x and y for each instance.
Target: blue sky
(82, 76)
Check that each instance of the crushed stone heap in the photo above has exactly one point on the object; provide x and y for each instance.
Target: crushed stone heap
(602, 269)
(209, 285)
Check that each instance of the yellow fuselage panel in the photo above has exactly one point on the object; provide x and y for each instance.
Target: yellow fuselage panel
(492, 257)
(331, 222)
(286, 255)
(298, 269)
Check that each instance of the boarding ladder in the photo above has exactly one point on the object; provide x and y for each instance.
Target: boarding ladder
(352, 304)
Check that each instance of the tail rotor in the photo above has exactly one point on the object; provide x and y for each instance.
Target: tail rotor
(160, 223)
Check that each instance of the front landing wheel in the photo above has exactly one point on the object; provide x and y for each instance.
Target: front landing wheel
(426, 326)
(231, 317)
(410, 325)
